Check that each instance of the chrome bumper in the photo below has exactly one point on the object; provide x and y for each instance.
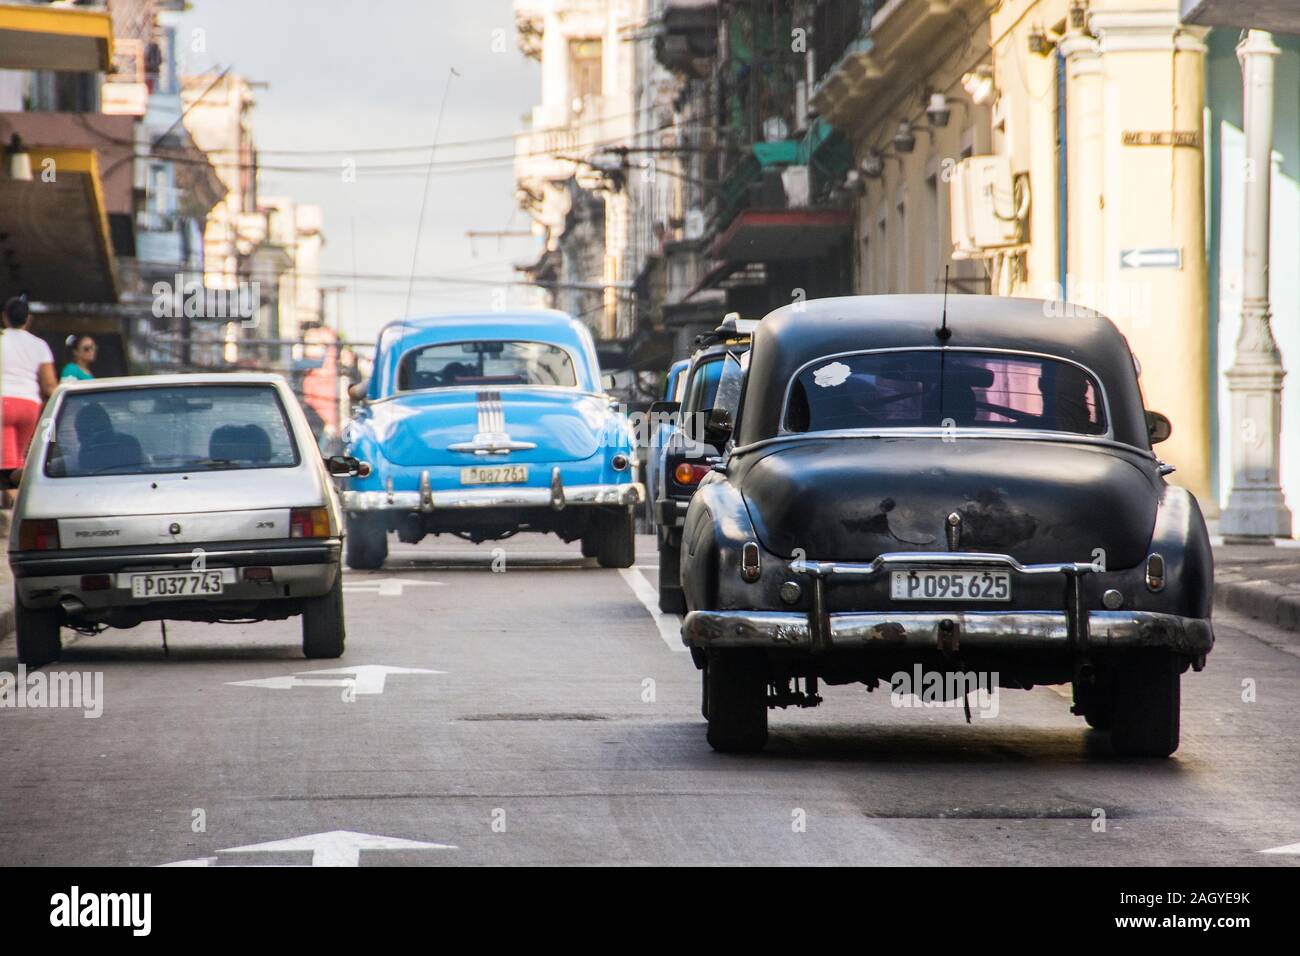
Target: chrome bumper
(927, 630)
(557, 497)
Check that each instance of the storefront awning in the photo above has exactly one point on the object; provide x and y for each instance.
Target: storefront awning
(54, 238)
(1280, 16)
(43, 37)
(783, 235)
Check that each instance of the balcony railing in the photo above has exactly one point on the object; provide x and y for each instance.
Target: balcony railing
(837, 25)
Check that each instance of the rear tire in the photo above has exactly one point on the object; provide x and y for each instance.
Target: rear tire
(366, 542)
(616, 539)
(1146, 705)
(323, 632)
(38, 637)
(735, 697)
(672, 599)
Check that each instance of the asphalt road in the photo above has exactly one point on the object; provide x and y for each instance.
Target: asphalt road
(559, 724)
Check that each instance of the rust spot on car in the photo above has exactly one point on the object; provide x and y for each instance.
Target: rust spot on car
(989, 523)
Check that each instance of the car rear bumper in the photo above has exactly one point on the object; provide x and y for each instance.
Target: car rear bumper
(299, 569)
(1004, 631)
(557, 497)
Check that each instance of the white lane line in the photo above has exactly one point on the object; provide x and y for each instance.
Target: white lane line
(670, 625)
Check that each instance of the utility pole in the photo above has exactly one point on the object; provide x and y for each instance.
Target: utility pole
(1256, 506)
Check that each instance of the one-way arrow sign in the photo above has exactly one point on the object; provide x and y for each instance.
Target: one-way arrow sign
(367, 679)
(1151, 259)
(335, 848)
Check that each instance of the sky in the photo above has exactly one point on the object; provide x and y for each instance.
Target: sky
(344, 76)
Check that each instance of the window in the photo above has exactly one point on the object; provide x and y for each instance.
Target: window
(584, 69)
(703, 386)
(486, 363)
(154, 430)
(945, 388)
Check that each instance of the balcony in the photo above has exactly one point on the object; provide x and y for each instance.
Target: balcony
(45, 37)
(775, 204)
(901, 35)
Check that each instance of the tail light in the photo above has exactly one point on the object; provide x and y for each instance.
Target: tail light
(39, 535)
(689, 474)
(1155, 572)
(309, 523)
(750, 565)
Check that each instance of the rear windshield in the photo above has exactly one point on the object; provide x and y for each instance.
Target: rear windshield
(156, 429)
(486, 363)
(948, 388)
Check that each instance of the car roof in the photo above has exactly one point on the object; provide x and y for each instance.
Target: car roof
(173, 378)
(796, 334)
(536, 325)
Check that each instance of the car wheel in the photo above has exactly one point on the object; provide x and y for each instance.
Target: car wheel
(616, 541)
(736, 700)
(323, 633)
(366, 542)
(37, 634)
(1145, 718)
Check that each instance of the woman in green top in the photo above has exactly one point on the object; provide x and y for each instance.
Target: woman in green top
(81, 352)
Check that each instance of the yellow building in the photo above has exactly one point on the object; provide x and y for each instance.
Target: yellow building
(1042, 148)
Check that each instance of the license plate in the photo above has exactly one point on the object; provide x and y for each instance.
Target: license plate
(494, 475)
(950, 585)
(178, 584)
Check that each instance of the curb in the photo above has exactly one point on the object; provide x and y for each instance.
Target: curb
(1267, 601)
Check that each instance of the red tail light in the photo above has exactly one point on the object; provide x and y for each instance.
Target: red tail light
(689, 474)
(40, 535)
(309, 523)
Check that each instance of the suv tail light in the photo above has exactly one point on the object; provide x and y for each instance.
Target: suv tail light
(688, 474)
(38, 535)
(309, 523)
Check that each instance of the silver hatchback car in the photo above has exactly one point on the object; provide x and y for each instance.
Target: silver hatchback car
(198, 497)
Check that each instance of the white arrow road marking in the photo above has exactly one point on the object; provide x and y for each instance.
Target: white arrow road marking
(386, 587)
(1293, 849)
(368, 679)
(670, 625)
(335, 848)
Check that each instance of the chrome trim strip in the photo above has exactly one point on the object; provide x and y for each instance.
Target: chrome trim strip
(491, 437)
(919, 560)
(1105, 398)
(959, 434)
(402, 501)
(921, 630)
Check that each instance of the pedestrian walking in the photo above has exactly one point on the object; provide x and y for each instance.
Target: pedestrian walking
(26, 380)
(81, 355)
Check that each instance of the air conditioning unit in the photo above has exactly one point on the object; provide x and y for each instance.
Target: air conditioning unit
(985, 215)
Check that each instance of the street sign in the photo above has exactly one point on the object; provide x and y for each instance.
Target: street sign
(366, 679)
(1151, 259)
(335, 848)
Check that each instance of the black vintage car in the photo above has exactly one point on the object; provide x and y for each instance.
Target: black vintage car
(966, 488)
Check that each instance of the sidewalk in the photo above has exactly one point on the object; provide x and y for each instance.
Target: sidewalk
(1260, 581)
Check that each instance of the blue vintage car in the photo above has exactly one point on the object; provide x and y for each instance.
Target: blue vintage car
(485, 425)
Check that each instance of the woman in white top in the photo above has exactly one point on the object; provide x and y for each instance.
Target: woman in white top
(26, 380)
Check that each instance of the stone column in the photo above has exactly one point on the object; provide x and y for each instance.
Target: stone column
(1256, 507)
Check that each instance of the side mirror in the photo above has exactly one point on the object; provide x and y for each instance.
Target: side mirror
(665, 410)
(1159, 427)
(345, 466)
